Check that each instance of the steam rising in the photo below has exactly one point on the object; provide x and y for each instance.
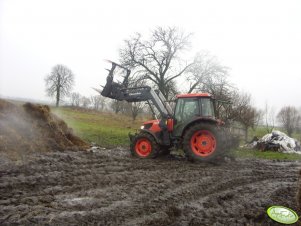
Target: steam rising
(33, 128)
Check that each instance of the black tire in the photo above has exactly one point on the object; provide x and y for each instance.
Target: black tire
(202, 142)
(144, 145)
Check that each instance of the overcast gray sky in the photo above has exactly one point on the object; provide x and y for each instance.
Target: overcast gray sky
(259, 40)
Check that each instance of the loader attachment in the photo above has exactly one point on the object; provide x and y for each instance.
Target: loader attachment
(121, 91)
(113, 89)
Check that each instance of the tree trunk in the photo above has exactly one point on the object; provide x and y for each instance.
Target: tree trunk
(289, 132)
(134, 116)
(246, 134)
(117, 109)
(58, 91)
(57, 97)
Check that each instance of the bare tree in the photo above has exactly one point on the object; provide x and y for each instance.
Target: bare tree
(85, 102)
(98, 102)
(269, 118)
(243, 112)
(118, 106)
(59, 82)
(102, 103)
(75, 99)
(158, 58)
(289, 117)
(136, 108)
(208, 75)
(249, 119)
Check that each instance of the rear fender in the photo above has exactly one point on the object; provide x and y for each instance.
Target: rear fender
(201, 120)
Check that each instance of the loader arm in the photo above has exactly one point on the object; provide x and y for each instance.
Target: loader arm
(120, 91)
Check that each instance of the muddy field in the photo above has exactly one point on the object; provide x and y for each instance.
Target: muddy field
(108, 187)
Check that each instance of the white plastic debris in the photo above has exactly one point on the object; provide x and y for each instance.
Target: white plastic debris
(279, 141)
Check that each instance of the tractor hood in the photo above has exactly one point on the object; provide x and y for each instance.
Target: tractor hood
(155, 121)
(152, 125)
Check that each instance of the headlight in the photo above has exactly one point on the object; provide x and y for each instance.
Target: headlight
(142, 127)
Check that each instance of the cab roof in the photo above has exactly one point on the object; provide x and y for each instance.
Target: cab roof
(187, 95)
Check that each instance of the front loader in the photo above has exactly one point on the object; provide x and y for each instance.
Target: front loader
(192, 125)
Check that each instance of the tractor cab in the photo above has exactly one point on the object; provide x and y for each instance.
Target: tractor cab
(192, 107)
(189, 109)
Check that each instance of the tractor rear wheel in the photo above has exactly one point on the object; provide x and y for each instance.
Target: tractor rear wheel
(202, 142)
(144, 145)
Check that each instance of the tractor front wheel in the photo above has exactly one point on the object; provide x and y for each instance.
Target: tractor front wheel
(202, 142)
(143, 145)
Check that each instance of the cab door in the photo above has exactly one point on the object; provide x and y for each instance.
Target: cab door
(186, 110)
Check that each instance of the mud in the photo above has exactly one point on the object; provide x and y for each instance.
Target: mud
(299, 191)
(108, 187)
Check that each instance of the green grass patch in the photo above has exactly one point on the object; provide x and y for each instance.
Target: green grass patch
(260, 131)
(111, 130)
(105, 129)
(243, 153)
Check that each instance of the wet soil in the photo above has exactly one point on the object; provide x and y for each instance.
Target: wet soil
(109, 187)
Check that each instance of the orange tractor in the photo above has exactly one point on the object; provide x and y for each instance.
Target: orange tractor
(192, 125)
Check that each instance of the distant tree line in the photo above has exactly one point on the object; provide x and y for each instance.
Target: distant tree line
(100, 103)
(290, 119)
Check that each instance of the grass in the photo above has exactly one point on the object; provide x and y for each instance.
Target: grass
(105, 129)
(260, 131)
(111, 130)
(242, 153)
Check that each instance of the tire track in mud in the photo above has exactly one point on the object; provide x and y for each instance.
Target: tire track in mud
(111, 188)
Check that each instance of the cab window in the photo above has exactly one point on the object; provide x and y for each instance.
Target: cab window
(207, 107)
(186, 109)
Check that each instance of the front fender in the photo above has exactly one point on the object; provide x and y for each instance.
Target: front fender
(157, 139)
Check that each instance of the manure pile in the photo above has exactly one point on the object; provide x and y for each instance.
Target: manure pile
(33, 128)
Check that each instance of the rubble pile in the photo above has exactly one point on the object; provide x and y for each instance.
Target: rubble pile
(33, 128)
(276, 141)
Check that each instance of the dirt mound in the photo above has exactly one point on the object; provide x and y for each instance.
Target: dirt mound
(33, 128)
